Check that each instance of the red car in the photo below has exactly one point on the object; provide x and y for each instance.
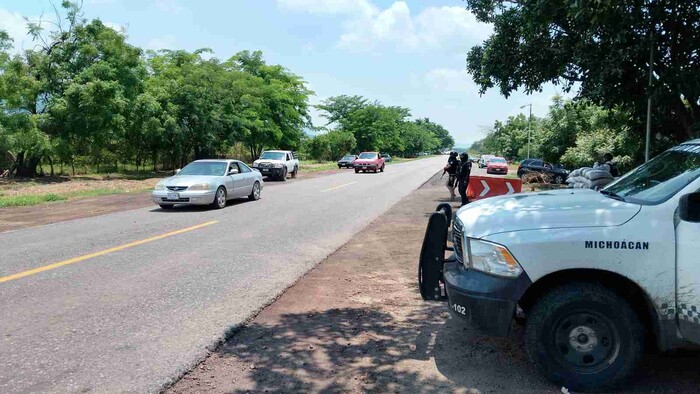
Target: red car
(369, 161)
(497, 165)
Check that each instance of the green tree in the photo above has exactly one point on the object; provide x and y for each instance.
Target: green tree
(602, 48)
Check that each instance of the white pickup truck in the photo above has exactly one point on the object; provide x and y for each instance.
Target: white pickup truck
(276, 164)
(597, 276)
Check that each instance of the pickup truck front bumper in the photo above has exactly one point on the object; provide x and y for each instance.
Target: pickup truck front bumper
(271, 171)
(485, 301)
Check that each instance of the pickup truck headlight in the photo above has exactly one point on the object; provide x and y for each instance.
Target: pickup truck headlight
(491, 258)
(199, 187)
(159, 186)
(278, 165)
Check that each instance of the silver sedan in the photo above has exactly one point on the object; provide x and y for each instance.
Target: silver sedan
(208, 182)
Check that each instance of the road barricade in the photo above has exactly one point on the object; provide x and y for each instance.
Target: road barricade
(486, 186)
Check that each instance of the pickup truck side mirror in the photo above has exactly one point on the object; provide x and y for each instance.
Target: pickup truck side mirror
(689, 208)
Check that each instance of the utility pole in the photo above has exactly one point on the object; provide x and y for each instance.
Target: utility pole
(647, 147)
(529, 127)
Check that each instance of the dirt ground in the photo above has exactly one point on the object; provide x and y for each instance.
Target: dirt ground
(14, 218)
(356, 323)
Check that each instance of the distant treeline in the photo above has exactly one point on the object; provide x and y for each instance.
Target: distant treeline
(83, 96)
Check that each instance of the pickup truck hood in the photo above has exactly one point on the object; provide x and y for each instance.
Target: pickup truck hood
(267, 161)
(544, 210)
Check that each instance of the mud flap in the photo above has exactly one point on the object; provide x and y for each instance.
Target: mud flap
(432, 255)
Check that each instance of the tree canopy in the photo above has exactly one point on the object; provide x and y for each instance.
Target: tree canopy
(601, 48)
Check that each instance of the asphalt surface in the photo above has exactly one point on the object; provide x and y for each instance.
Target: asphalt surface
(137, 316)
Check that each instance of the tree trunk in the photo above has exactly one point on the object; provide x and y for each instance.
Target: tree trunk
(51, 165)
(25, 166)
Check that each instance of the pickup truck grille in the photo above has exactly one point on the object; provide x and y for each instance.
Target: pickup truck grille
(265, 165)
(457, 240)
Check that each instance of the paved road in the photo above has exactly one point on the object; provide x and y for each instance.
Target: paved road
(138, 296)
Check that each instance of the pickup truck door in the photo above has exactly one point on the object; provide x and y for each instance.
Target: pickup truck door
(289, 163)
(688, 279)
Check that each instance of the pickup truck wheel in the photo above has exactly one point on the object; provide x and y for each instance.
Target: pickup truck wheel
(220, 198)
(585, 337)
(255, 194)
(284, 175)
(295, 172)
(558, 179)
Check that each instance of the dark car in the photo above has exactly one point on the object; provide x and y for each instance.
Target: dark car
(387, 157)
(348, 161)
(554, 173)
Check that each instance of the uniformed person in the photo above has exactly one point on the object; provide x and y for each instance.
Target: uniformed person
(451, 169)
(465, 169)
(612, 166)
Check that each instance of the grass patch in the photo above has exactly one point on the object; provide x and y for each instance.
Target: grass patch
(21, 201)
(35, 199)
(317, 166)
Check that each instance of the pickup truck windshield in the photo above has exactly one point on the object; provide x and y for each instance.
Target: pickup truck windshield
(272, 156)
(660, 178)
(204, 168)
(368, 156)
(498, 160)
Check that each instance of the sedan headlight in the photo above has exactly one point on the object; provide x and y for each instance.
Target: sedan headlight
(199, 187)
(491, 258)
(278, 165)
(159, 186)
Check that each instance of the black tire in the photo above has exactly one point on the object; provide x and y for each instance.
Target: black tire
(166, 206)
(558, 179)
(255, 193)
(382, 169)
(283, 178)
(357, 170)
(295, 172)
(219, 202)
(340, 167)
(584, 336)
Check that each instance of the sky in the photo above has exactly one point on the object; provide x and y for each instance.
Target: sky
(405, 53)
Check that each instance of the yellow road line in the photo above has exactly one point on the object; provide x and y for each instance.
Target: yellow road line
(338, 187)
(100, 253)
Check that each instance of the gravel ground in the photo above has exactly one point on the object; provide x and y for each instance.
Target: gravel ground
(356, 323)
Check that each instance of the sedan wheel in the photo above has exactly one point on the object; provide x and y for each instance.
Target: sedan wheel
(558, 179)
(255, 194)
(220, 198)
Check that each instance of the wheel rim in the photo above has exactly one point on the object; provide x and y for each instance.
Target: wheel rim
(558, 179)
(585, 342)
(256, 190)
(221, 197)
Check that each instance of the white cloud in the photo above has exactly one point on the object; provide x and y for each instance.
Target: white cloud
(450, 80)
(15, 25)
(169, 6)
(116, 26)
(367, 26)
(330, 7)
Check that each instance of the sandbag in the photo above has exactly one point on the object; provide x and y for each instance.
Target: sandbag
(594, 175)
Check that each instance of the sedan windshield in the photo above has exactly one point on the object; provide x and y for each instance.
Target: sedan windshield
(272, 156)
(368, 155)
(498, 160)
(348, 157)
(214, 168)
(660, 178)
